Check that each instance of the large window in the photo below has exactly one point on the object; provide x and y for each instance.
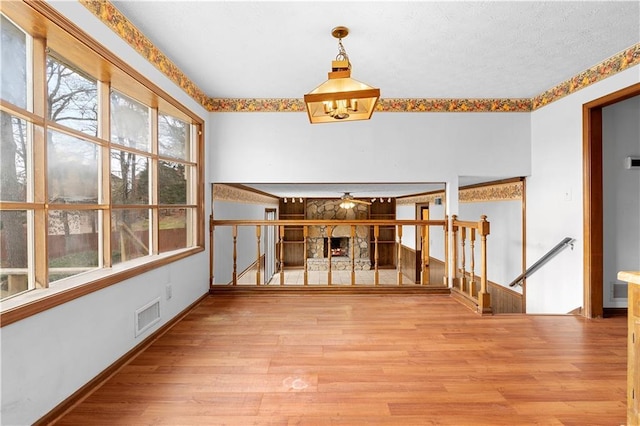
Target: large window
(99, 169)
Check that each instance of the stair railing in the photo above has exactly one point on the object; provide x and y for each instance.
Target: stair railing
(465, 282)
(566, 242)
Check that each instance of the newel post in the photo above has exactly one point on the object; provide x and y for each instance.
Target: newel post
(445, 277)
(484, 298)
(399, 247)
(305, 235)
(453, 259)
(281, 239)
(258, 235)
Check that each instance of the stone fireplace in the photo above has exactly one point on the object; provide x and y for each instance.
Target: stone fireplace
(341, 241)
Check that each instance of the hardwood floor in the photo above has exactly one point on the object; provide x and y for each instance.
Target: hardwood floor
(348, 359)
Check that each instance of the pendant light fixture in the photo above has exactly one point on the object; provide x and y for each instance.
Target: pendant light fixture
(341, 98)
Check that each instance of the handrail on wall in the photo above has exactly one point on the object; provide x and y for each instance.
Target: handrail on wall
(567, 241)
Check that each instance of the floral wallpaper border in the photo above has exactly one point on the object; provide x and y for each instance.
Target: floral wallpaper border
(613, 65)
(491, 192)
(118, 23)
(425, 198)
(237, 195)
(494, 192)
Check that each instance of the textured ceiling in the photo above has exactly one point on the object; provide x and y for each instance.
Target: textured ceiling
(409, 49)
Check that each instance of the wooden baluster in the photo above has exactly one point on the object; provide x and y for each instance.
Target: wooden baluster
(281, 238)
(484, 298)
(329, 231)
(463, 239)
(473, 262)
(399, 254)
(305, 233)
(454, 250)
(445, 278)
(258, 233)
(353, 254)
(376, 235)
(234, 279)
(424, 276)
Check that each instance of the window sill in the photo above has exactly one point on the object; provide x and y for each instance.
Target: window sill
(38, 300)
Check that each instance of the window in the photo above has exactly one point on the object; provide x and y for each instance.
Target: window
(100, 170)
(15, 182)
(72, 98)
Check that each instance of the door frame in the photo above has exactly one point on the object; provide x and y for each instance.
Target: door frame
(420, 207)
(592, 208)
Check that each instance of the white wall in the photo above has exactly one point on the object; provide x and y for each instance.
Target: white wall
(48, 356)
(436, 235)
(391, 147)
(555, 196)
(407, 212)
(621, 194)
(504, 242)
(246, 244)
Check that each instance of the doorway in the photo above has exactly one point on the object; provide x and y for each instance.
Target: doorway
(593, 224)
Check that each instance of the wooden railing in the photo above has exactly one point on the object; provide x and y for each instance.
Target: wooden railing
(372, 225)
(465, 281)
(463, 233)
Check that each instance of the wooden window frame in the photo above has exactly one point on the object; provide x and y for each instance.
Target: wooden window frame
(49, 29)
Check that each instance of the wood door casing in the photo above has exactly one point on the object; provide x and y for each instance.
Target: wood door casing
(592, 207)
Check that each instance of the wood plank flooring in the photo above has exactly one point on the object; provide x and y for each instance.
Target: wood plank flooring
(349, 359)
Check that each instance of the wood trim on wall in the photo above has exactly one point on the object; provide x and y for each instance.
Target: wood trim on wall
(592, 200)
(436, 271)
(504, 300)
(409, 262)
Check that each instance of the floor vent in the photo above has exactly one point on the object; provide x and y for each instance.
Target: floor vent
(147, 316)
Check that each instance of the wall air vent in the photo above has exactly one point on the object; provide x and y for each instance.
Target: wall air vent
(632, 162)
(147, 316)
(619, 290)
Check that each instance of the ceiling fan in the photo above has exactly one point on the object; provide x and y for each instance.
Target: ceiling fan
(348, 202)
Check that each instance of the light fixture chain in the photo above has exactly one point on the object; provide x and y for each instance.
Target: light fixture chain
(342, 54)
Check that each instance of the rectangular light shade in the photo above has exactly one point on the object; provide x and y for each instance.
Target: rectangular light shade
(337, 92)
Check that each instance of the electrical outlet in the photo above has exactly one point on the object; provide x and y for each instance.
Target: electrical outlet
(169, 291)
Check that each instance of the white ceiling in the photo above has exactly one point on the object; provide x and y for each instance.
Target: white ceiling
(409, 49)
